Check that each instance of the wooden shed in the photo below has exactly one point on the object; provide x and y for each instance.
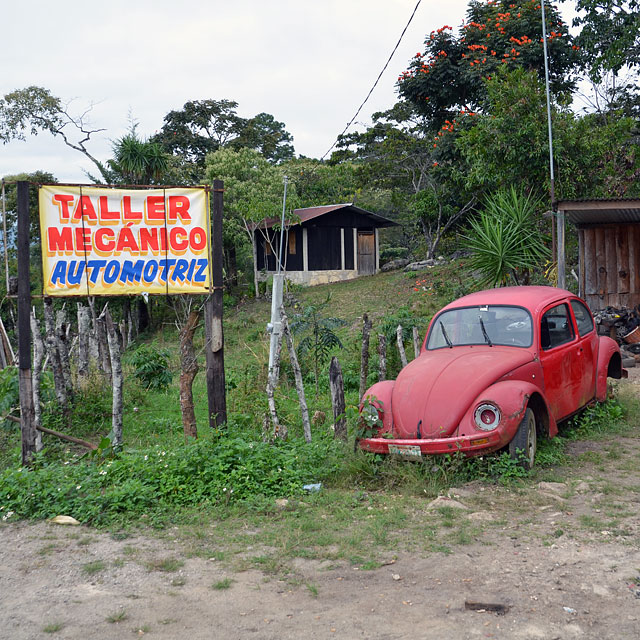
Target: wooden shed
(325, 244)
(609, 250)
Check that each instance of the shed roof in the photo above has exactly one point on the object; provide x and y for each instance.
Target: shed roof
(601, 210)
(309, 213)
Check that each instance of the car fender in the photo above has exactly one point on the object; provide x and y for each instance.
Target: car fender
(512, 397)
(380, 396)
(609, 365)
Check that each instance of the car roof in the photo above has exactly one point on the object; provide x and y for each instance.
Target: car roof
(532, 298)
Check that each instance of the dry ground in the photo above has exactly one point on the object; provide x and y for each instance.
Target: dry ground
(563, 557)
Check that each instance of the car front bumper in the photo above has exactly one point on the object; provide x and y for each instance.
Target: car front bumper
(414, 448)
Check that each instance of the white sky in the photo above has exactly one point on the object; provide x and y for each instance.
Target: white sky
(309, 63)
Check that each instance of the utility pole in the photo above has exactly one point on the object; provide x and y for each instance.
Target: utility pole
(275, 326)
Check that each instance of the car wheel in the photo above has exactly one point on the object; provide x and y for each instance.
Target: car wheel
(525, 441)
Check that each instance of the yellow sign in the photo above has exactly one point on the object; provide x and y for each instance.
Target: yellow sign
(103, 241)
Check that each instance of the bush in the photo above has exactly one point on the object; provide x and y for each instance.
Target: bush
(154, 481)
(151, 366)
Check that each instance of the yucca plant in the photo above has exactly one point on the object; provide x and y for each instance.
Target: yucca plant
(505, 240)
(321, 338)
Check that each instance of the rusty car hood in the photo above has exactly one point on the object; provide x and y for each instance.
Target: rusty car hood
(434, 391)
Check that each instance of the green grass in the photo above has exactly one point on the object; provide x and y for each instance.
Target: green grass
(53, 627)
(223, 584)
(117, 616)
(91, 568)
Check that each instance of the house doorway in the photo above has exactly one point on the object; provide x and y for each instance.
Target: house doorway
(366, 253)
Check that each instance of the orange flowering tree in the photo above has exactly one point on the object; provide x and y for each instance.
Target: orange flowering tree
(447, 80)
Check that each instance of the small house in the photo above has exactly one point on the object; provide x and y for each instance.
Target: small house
(324, 244)
(608, 250)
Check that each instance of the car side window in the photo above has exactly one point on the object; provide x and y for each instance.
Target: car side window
(556, 327)
(583, 318)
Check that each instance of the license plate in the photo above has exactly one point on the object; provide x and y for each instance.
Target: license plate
(405, 450)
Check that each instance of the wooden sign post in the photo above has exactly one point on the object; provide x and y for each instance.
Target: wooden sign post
(27, 423)
(213, 320)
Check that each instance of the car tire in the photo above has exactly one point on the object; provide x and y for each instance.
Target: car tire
(525, 440)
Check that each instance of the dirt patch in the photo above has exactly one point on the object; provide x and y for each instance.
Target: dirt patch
(563, 556)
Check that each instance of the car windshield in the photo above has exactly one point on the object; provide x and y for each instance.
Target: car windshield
(487, 325)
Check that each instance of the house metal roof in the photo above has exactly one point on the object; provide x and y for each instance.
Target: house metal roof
(601, 210)
(309, 213)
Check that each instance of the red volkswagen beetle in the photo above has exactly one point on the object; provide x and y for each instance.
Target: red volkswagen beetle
(497, 368)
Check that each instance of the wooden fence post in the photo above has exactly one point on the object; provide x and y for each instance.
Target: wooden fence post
(416, 342)
(337, 399)
(400, 341)
(382, 357)
(216, 393)
(364, 355)
(27, 423)
(116, 378)
(306, 426)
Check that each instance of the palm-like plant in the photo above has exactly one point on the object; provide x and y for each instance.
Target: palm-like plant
(137, 161)
(505, 239)
(321, 338)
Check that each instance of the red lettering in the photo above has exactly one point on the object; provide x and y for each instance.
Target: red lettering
(197, 239)
(63, 202)
(59, 239)
(106, 215)
(83, 239)
(129, 214)
(148, 240)
(155, 209)
(177, 245)
(104, 240)
(179, 207)
(85, 209)
(127, 241)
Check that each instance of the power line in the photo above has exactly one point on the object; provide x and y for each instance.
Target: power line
(375, 84)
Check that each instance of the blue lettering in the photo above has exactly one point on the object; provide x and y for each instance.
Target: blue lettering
(75, 278)
(111, 272)
(131, 272)
(150, 271)
(59, 273)
(201, 275)
(95, 266)
(179, 272)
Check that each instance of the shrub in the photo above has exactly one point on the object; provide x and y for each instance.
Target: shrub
(151, 366)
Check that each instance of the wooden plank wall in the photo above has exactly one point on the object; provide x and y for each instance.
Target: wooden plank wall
(609, 261)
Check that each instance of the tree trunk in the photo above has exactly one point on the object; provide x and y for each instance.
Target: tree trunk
(382, 357)
(416, 342)
(103, 344)
(306, 425)
(38, 359)
(364, 355)
(84, 329)
(63, 350)
(399, 339)
(188, 371)
(279, 431)
(255, 265)
(337, 400)
(117, 381)
(52, 353)
(143, 315)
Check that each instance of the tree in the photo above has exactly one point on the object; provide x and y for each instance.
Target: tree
(35, 109)
(137, 161)
(253, 191)
(266, 135)
(594, 154)
(610, 34)
(448, 78)
(204, 126)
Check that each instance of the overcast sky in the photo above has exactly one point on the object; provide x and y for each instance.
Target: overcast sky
(309, 63)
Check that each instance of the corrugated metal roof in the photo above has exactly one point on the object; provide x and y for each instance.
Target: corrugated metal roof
(601, 210)
(309, 213)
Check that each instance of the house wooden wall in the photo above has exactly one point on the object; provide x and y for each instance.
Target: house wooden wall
(609, 259)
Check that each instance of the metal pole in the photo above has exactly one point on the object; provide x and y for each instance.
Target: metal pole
(27, 423)
(551, 169)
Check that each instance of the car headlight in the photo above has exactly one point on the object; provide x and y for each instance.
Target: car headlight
(487, 416)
